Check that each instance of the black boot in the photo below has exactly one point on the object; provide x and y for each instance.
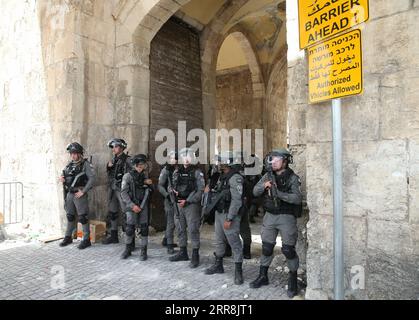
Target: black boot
(292, 284)
(127, 252)
(113, 238)
(182, 255)
(228, 252)
(164, 242)
(217, 267)
(262, 279)
(143, 254)
(246, 251)
(195, 258)
(67, 240)
(170, 249)
(238, 273)
(84, 244)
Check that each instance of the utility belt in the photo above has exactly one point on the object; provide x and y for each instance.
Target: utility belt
(282, 208)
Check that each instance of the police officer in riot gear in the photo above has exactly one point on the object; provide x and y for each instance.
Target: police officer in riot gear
(228, 201)
(166, 174)
(116, 168)
(189, 184)
(78, 178)
(251, 180)
(281, 212)
(245, 231)
(136, 193)
(213, 175)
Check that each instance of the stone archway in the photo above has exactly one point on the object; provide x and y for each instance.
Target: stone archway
(137, 24)
(240, 89)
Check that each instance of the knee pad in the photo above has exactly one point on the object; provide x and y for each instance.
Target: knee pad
(144, 230)
(289, 251)
(71, 218)
(83, 219)
(267, 249)
(130, 230)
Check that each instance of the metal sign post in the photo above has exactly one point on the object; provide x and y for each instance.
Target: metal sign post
(339, 288)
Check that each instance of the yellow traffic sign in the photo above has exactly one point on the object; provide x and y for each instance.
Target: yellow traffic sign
(321, 19)
(335, 67)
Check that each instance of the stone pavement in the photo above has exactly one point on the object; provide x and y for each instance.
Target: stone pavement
(47, 271)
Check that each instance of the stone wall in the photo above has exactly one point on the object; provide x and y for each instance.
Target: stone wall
(26, 133)
(175, 90)
(235, 108)
(380, 160)
(276, 106)
(59, 85)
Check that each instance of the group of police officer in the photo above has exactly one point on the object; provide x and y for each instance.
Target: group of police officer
(229, 197)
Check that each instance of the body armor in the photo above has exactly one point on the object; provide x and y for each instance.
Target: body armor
(223, 185)
(185, 182)
(74, 176)
(283, 184)
(138, 191)
(117, 171)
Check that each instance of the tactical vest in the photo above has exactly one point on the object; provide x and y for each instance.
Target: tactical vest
(138, 191)
(185, 182)
(170, 169)
(223, 185)
(283, 182)
(71, 171)
(118, 170)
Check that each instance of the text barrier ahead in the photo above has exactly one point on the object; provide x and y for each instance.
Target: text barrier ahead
(321, 19)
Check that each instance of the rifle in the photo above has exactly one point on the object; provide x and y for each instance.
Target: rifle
(65, 189)
(206, 197)
(172, 195)
(214, 202)
(204, 203)
(273, 191)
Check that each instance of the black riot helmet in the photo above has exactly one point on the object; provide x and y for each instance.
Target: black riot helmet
(282, 153)
(75, 147)
(117, 142)
(139, 158)
(227, 158)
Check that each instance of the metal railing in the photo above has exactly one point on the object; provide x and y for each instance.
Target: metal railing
(11, 202)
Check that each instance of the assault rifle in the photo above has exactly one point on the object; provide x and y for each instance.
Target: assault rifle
(172, 195)
(273, 191)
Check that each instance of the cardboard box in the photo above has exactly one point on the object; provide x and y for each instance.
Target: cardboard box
(97, 230)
